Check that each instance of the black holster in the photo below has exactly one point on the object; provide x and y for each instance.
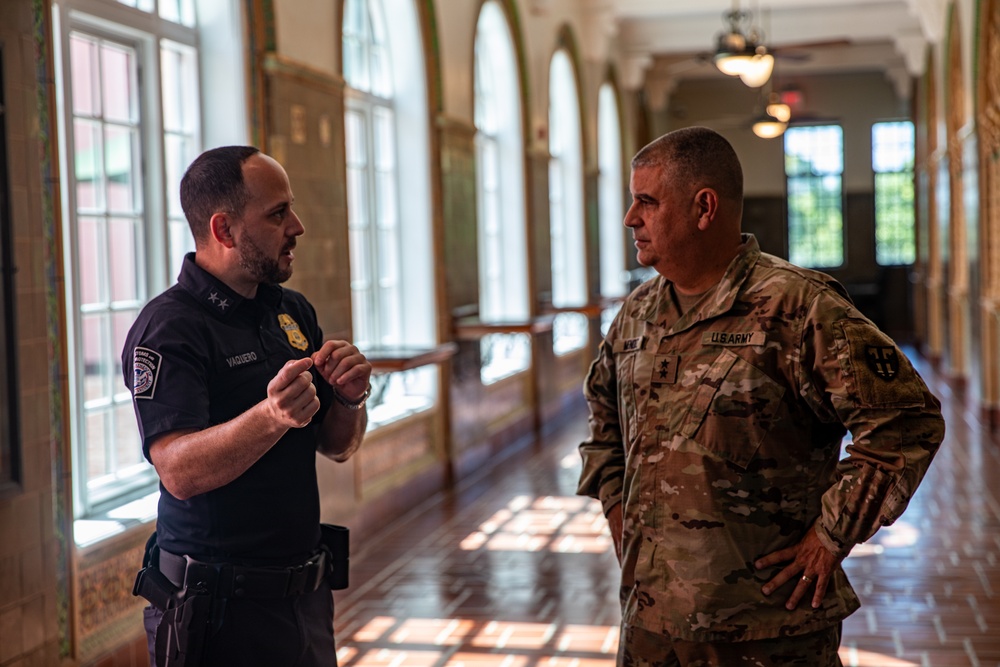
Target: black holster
(187, 611)
(180, 636)
(335, 540)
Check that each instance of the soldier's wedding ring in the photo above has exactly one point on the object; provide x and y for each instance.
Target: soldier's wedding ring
(806, 579)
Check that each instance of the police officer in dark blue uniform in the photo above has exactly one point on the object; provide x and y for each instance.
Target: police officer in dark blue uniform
(235, 391)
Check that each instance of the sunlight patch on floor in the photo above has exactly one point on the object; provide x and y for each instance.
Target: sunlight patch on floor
(855, 657)
(428, 642)
(560, 524)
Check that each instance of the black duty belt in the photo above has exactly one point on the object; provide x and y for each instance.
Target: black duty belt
(237, 581)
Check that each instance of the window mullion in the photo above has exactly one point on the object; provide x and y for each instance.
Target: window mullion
(372, 226)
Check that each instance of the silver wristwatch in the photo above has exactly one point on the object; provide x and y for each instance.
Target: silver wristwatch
(353, 405)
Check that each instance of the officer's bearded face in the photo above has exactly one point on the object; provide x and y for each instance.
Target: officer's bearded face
(253, 259)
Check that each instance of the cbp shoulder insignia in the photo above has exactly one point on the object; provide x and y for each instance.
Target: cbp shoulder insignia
(883, 361)
(145, 370)
(291, 328)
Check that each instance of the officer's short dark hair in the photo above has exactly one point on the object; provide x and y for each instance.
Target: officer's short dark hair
(213, 183)
(698, 154)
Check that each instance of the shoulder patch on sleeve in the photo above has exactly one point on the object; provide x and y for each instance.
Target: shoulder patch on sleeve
(883, 376)
(146, 369)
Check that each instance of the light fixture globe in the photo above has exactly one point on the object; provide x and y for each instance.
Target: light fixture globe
(777, 108)
(757, 70)
(740, 50)
(732, 61)
(768, 127)
(733, 51)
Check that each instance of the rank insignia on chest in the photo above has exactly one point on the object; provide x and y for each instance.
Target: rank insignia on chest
(883, 360)
(665, 369)
(291, 328)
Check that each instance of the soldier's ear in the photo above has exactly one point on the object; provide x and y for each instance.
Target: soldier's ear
(220, 226)
(706, 202)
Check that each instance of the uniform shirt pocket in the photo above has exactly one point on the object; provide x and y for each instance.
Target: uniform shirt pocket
(733, 409)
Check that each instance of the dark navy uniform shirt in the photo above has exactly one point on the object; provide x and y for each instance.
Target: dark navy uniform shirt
(199, 355)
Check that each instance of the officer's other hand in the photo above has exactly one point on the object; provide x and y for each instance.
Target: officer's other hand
(342, 365)
(291, 394)
(811, 566)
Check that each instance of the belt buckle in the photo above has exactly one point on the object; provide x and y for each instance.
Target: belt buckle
(305, 578)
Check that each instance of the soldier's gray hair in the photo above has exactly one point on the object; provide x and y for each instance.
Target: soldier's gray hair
(699, 154)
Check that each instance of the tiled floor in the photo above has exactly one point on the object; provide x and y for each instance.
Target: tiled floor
(513, 570)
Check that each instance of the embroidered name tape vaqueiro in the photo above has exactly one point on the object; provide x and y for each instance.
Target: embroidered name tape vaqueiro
(240, 359)
(734, 338)
(291, 328)
(146, 368)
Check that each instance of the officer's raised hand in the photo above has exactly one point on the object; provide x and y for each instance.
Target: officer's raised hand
(348, 372)
(346, 369)
(291, 394)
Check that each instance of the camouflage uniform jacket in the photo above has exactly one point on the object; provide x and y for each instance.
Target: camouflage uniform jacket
(721, 434)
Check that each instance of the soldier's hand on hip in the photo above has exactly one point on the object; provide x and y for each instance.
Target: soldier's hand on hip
(812, 565)
(291, 394)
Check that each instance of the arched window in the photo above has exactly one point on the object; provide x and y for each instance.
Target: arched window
(129, 83)
(566, 217)
(614, 281)
(503, 271)
(386, 117)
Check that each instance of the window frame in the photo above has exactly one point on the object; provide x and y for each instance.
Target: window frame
(611, 201)
(396, 394)
(504, 293)
(149, 36)
(906, 174)
(10, 436)
(367, 107)
(812, 179)
(570, 330)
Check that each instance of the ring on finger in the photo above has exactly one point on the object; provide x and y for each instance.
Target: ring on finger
(806, 579)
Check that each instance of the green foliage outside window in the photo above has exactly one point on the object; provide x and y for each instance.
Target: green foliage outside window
(892, 161)
(813, 168)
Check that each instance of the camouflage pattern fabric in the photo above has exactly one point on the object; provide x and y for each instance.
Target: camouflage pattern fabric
(719, 431)
(641, 648)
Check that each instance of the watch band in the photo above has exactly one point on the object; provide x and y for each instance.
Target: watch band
(353, 405)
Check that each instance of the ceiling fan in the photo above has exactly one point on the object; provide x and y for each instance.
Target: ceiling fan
(740, 49)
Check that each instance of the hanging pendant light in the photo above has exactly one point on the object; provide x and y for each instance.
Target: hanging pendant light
(739, 51)
(775, 107)
(733, 52)
(769, 127)
(773, 121)
(758, 70)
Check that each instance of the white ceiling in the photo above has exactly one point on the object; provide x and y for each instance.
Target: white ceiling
(661, 41)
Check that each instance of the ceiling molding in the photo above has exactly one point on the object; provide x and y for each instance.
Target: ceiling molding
(829, 35)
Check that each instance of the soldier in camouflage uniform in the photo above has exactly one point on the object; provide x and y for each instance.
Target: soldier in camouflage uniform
(719, 400)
